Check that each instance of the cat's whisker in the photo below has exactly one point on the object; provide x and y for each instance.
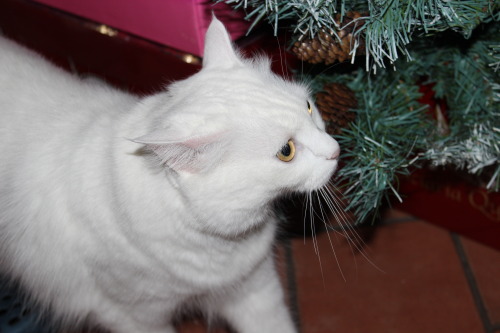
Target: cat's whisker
(308, 210)
(282, 56)
(332, 191)
(341, 219)
(346, 224)
(348, 229)
(352, 235)
(323, 217)
(335, 208)
(315, 241)
(324, 220)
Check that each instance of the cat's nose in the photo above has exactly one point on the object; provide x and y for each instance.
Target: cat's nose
(334, 149)
(335, 154)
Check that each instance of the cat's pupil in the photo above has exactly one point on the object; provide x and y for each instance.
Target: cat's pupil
(286, 150)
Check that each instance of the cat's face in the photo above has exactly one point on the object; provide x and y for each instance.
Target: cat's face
(237, 132)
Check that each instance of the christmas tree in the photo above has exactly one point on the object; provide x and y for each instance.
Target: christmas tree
(422, 88)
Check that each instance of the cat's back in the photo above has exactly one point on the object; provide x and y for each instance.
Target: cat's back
(15, 58)
(26, 77)
(31, 84)
(50, 120)
(40, 101)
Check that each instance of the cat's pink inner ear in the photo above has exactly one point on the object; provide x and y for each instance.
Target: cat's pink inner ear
(161, 137)
(190, 155)
(201, 141)
(218, 50)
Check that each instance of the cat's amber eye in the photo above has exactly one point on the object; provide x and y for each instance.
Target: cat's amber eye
(287, 152)
(309, 108)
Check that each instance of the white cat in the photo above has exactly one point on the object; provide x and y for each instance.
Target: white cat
(121, 210)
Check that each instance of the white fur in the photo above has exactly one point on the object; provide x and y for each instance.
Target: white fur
(123, 210)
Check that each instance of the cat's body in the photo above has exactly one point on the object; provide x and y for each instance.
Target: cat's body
(121, 210)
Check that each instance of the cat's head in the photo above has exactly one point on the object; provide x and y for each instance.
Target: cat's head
(238, 135)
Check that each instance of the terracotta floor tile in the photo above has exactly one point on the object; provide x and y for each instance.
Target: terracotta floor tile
(395, 215)
(485, 263)
(193, 326)
(423, 288)
(198, 326)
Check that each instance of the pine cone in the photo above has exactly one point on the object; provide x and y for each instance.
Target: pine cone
(325, 47)
(335, 104)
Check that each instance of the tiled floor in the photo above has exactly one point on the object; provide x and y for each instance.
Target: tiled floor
(410, 277)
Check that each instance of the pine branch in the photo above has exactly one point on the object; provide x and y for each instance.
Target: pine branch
(380, 145)
(392, 134)
(469, 80)
(390, 25)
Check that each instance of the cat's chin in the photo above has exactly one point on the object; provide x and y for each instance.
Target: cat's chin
(321, 176)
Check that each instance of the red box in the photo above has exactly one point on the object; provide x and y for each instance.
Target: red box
(449, 200)
(180, 24)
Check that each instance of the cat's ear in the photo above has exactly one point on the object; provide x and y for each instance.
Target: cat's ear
(219, 50)
(192, 154)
